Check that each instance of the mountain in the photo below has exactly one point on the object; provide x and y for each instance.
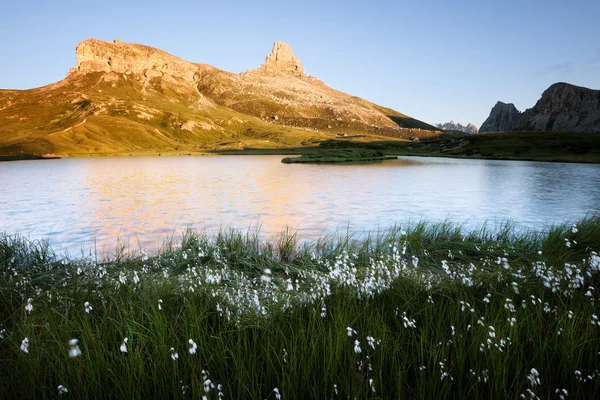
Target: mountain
(125, 98)
(562, 107)
(503, 117)
(455, 126)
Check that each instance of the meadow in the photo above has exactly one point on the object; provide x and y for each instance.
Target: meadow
(423, 311)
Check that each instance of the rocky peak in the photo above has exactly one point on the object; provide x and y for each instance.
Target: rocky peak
(119, 57)
(564, 107)
(455, 126)
(470, 128)
(503, 117)
(282, 59)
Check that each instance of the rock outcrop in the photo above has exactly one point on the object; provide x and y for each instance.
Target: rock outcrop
(563, 107)
(455, 126)
(126, 58)
(282, 60)
(503, 117)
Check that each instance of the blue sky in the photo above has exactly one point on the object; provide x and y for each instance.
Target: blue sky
(433, 60)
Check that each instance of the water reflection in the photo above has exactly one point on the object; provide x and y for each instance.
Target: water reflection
(79, 202)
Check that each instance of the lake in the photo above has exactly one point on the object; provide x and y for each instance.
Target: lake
(81, 203)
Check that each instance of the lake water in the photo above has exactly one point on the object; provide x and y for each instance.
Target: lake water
(79, 203)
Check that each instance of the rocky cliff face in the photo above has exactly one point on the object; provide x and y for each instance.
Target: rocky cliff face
(503, 117)
(564, 107)
(126, 58)
(282, 60)
(455, 126)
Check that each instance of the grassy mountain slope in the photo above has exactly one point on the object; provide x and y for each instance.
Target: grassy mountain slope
(125, 98)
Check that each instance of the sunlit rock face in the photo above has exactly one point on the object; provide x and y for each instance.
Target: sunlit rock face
(99, 56)
(282, 60)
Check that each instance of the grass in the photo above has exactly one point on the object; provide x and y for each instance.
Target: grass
(532, 146)
(424, 311)
(338, 156)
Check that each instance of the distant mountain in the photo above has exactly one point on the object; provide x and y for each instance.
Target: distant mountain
(124, 97)
(455, 126)
(503, 117)
(562, 107)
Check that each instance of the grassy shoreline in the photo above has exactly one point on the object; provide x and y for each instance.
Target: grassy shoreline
(418, 312)
(517, 146)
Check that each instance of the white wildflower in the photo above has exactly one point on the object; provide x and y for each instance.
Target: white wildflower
(159, 304)
(124, 346)
(87, 307)
(25, 345)
(277, 394)
(74, 350)
(534, 377)
(29, 306)
(193, 346)
(357, 348)
(371, 341)
(174, 355)
(61, 390)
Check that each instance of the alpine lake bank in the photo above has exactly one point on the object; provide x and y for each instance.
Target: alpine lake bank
(427, 310)
(519, 146)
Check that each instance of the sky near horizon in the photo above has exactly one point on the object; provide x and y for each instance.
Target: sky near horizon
(433, 60)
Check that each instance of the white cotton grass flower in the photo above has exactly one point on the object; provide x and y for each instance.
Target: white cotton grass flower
(534, 377)
(371, 341)
(124, 346)
(61, 390)
(74, 350)
(29, 306)
(567, 243)
(174, 355)
(193, 346)
(2, 332)
(350, 331)
(515, 287)
(357, 348)
(25, 345)
(87, 307)
(574, 230)
(160, 304)
(277, 394)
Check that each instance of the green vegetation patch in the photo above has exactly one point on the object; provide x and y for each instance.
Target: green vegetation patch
(338, 156)
(428, 311)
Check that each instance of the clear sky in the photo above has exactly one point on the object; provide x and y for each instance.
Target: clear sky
(432, 60)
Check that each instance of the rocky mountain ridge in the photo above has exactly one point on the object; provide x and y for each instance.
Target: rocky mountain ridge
(503, 117)
(124, 97)
(455, 126)
(562, 107)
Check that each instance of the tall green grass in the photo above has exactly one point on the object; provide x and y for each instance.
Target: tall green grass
(440, 304)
